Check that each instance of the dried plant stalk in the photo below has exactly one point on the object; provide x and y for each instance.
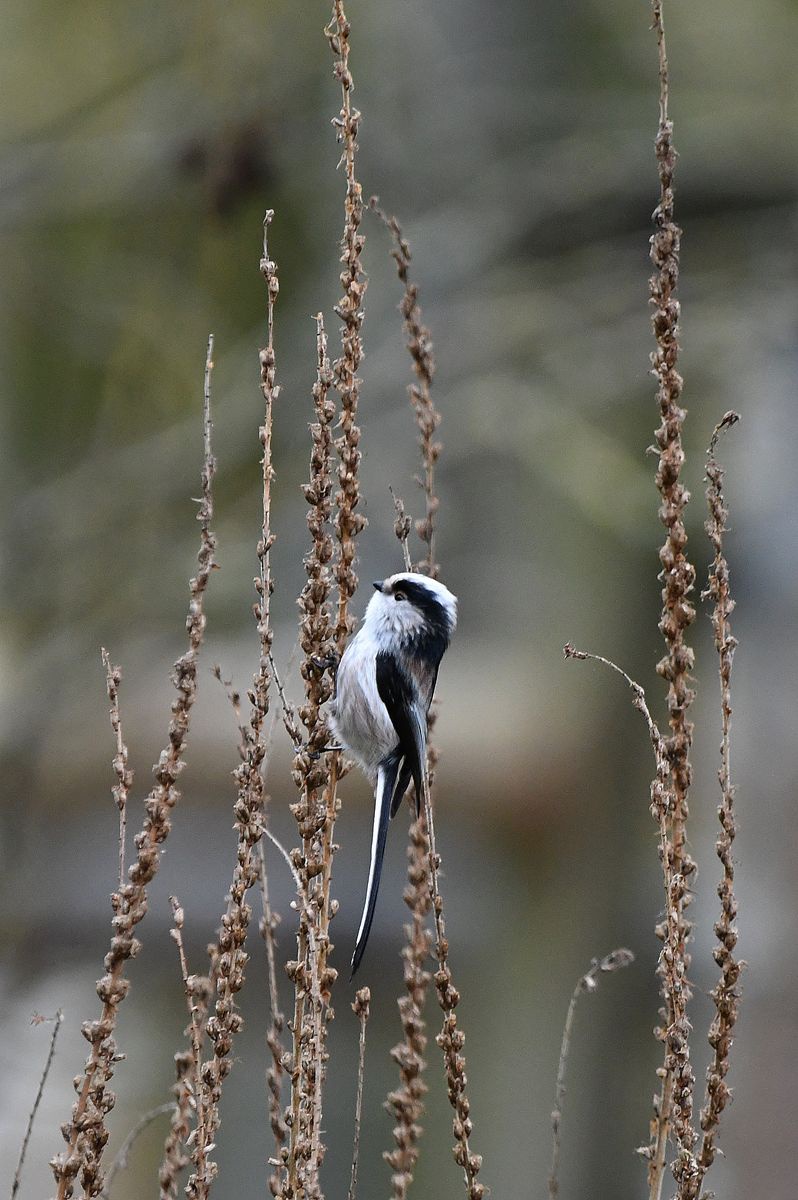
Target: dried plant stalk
(249, 807)
(323, 643)
(419, 345)
(23, 1150)
(348, 522)
(675, 1104)
(187, 1089)
(407, 1102)
(198, 990)
(726, 992)
(85, 1133)
(663, 803)
(267, 927)
(360, 1008)
(616, 960)
(274, 1034)
(317, 806)
(401, 527)
(124, 776)
(175, 1158)
(451, 1039)
(296, 1179)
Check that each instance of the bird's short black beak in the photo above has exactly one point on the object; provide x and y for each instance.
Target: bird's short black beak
(377, 585)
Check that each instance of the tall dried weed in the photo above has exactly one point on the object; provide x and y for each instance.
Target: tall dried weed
(298, 1063)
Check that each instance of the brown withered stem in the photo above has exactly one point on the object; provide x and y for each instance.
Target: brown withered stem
(23, 1150)
(187, 1088)
(671, 966)
(401, 527)
(726, 992)
(186, 1109)
(360, 1008)
(419, 345)
(309, 1093)
(274, 1033)
(407, 1102)
(323, 639)
(197, 992)
(348, 521)
(616, 960)
(675, 1105)
(249, 807)
(174, 1157)
(121, 1160)
(124, 776)
(451, 1039)
(314, 773)
(85, 1132)
(267, 927)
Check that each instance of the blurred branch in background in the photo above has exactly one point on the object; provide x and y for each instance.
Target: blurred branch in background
(37, 1020)
(616, 960)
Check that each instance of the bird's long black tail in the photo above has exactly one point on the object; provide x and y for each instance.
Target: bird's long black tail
(383, 795)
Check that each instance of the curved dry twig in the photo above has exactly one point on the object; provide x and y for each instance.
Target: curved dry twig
(616, 960)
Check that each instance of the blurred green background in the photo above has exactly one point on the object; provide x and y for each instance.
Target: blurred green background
(141, 145)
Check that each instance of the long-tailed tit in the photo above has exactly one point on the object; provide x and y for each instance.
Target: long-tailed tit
(384, 687)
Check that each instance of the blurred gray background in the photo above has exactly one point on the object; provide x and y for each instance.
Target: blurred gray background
(141, 146)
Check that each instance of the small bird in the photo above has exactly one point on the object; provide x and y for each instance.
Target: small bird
(383, 692)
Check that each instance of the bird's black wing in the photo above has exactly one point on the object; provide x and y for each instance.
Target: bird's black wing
(425, 677)
(398, 694)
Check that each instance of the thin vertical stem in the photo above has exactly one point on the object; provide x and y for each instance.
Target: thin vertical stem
(726, 993)
(614, 961)
(451, 1039)
(124, 776)
(674, 1108)
(360, 1008)
(250, 805)
(23, 1150)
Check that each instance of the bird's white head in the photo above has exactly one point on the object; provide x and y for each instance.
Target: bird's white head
(409, 605)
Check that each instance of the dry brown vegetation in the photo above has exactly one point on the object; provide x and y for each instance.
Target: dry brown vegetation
(298, 1044)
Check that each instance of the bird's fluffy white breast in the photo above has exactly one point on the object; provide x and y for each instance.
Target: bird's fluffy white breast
(359, 718)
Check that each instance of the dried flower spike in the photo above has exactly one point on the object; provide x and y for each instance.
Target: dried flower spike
(85, 1133)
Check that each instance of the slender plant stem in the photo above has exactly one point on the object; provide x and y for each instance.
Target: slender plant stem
(360, 1007)
(121, 1160)
(614, 961)
(23, 1150)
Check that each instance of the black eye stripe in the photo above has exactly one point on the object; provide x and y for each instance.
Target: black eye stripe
(426, 602)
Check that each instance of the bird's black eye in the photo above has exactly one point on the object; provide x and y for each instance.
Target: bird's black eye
(400, 595)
